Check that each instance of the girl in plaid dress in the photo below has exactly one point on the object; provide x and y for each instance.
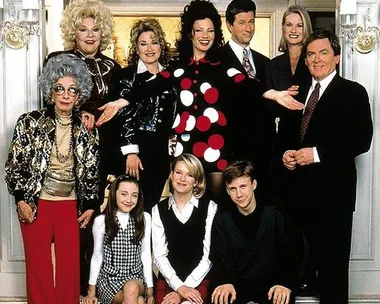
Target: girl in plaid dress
(121, 265)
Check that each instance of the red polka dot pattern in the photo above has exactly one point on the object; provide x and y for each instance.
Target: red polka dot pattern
(222, 119)
(239, 77)
(199, 149)
(211, 95)
(182, 123)
(221, 164)
(165, 74)
(186, 83)
(216, 141)
(203, 123)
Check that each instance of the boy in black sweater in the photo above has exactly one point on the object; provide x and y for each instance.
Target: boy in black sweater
(256, 252)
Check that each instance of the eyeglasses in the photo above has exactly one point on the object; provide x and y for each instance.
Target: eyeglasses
(60, 90)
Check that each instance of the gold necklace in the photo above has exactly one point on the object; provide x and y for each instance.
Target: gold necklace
(62, 158)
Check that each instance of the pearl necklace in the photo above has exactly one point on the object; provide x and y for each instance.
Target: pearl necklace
(60, 122)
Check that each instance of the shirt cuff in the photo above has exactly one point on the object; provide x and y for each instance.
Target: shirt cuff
(315, 155)
(176, 283)
(130, 149)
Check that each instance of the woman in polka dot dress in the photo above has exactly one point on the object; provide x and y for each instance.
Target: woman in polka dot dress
(206, 90)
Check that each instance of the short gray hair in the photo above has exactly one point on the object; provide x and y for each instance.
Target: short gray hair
(66, 65)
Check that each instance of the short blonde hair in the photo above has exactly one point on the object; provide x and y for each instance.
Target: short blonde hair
(196, 169)
(76, 11)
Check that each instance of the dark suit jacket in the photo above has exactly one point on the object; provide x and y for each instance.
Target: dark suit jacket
(260, 61)
(278, 76)
(324, 194)
(252, 126)
(341, 129)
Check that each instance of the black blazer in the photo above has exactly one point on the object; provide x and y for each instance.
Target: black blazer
(260, 61)
(278, 76)
(341, 129)
(252, 126)
(278, 73)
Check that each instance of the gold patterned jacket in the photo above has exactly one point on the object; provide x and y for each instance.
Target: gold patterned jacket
(29, 156)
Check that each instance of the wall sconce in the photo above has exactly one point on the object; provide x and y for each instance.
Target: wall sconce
(363, 39)
(22, 24)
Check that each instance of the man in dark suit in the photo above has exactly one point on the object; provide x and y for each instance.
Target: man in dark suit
(252, 126)
(240, 20)
(319, 152)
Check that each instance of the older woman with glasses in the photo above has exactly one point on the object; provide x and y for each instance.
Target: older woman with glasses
(86, 30)
(52, 171)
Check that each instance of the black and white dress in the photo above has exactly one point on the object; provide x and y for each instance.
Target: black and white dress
(112, 265)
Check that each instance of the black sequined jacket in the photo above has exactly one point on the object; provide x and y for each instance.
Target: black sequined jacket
(151, 112)
(29, 156)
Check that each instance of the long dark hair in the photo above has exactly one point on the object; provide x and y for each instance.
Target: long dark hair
(137, 213)
(198, 10)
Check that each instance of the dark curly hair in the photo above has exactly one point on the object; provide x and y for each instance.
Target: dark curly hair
(148, 25)
(198, 10)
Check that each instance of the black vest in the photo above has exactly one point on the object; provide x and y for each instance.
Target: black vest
(185, 241)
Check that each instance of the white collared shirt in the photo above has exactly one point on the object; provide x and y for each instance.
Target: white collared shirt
(324, 84)
(142, 68)
(160, 245)
(238, 50)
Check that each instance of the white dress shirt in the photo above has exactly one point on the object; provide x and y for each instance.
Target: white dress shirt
(98, 231)
(160, 245)
(324, 84)
(238, 50)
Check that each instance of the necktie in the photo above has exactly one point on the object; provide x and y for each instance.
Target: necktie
(310, 106)
(247, 65)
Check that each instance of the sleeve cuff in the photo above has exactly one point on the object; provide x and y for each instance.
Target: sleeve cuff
(19, 196)
(130, 149)
(315, 155)
(91, 204)
(177, 283)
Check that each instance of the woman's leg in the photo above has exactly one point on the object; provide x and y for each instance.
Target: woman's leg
(37, 239)
(66, 238)
(131, 293)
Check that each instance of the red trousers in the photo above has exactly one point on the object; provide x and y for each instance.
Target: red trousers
(56, 222)
(162, 289)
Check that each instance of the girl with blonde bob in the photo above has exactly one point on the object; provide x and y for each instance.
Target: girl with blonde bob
(181, 232)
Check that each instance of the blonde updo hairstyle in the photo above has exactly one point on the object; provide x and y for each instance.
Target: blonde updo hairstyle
(76, 11)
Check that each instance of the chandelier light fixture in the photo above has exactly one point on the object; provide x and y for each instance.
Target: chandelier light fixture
(21, 24)
(363, 39)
